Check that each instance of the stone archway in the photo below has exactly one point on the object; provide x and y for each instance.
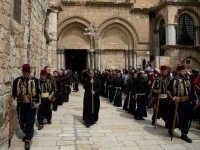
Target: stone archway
(116, 44)
(71, 38)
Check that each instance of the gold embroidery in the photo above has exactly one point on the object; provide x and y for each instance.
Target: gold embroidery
(174, 86)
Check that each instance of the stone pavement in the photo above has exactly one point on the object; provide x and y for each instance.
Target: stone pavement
(115, 130)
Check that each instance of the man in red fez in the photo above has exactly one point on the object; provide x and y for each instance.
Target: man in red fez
(47, 97)
(26, 91)
(159, 92)
(180, 94)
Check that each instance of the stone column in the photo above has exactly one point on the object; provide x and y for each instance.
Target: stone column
(130, 57)
(126, 58)
(101, 62)
(170, 34)
(197, 35)
(63, 59)
(52, 30)
(97, 59)
(135, 59)
(157, 49)
(92, 58)
(88, 58)
(59, 62)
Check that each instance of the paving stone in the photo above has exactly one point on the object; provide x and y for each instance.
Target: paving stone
(174, 147)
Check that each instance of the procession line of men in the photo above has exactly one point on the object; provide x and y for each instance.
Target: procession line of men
(40, 96)
(173, 97)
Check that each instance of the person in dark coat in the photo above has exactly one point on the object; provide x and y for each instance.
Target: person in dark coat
(47, 97)
(111, 90)
(118, 85)
(180, 92)
(57, 91)
(141, 95)
(160, 92)
(66, 86)
(26, 90)
(91, 102)
(75, 81)
(129, 103)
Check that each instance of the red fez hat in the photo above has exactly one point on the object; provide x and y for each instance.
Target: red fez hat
(43, 72)
(163, 68)
(180, 67)
(26, 68)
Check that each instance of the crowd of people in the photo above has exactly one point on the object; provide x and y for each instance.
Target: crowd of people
(172, 94)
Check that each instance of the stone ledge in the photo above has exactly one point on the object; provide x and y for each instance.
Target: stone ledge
(96, 3)
(183, 47)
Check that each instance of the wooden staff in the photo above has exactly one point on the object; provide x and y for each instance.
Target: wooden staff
(10, 117)
(157, 108)
(174, 120)
(92, 96)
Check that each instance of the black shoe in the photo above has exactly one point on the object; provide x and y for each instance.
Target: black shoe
(27, 145)
(88, 125)
(40, 127)
(153, 122)
(170, 133)
(186, 138)
(49, 122)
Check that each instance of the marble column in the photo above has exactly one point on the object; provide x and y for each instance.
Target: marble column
(135, 59)
(88, 58)
(63, 59)
(157, 49)
(59, 62)
(92, 59)
(126, 58)
(170, 34)
(97, 59)
(131, 57)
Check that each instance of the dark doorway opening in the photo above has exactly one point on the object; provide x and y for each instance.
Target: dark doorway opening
(76, 59)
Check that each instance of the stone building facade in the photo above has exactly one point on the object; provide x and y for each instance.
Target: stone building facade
(22, 40)
(127, 30)
(59, 33)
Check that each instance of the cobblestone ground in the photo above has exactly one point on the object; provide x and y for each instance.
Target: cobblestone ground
(115, 130)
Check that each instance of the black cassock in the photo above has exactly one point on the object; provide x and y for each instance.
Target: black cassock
(91, 109)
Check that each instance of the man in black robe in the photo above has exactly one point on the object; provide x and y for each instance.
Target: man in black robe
(91, 102)
(142, 90)
(129, 103)
(118, 85)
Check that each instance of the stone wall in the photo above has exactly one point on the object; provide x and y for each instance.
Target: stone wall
(178, 54)
(20, 42)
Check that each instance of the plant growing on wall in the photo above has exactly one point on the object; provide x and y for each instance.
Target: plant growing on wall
(46, 35)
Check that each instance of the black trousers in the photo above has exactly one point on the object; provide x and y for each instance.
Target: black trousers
(141, 110)
(26, 115)
(184, 116)
(44, 111)
(163, 109)
(118, 98)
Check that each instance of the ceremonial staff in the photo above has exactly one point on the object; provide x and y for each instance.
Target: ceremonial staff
(92, 82)
(10, 117)
(176, 109)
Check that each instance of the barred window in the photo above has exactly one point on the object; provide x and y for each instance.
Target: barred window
(185, 32)
(162, 39)
(17, 11)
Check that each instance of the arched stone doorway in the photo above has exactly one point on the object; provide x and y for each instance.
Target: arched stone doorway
(116, 44)
(73, 44)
